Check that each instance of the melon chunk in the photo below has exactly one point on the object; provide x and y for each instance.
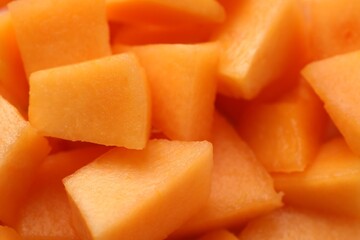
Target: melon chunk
(105, 101)
(22, 150)
(286, 224)
(183, 87)
(60, 32)
(46, 213)
(337, 82)
(240, 187)
(260, 40)
(165, 11)
(149, 193)
(7, 233)
(219, 235)
(334, 175)
(285, 134)
(12, 75)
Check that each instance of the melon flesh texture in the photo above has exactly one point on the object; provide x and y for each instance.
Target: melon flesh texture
(334, 175)
(165, 12)
(294, 224)
(45, 214)
(104, 101)
(12, 75)
(7, 233)
(183, 87)
(240, 187)
(149, 193)
(330, 33)
(22, 150)
(260, 41)
(59, 32)
(286, 134)
(337, 82)
(219, 235)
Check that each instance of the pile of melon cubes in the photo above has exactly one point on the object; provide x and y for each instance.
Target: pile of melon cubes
(164, 119)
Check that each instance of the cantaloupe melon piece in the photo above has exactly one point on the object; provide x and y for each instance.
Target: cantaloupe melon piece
(22, 150)
(7, 233)
(286, 134)
(331, 183)
(105, 101)
(151, 34)
(330, 33)
(336, 80)
(219, 235)
(12, 74)
(46, 215)
(165, 12)
(260, 41)
(240, 188)
(59, 32)
(293, 224)
(129, 194)
(183, 87)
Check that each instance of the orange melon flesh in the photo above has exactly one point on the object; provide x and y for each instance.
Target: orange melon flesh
(295, 224)
(183, 87)
(7, 233)
(165, 11)
(286, 134)
(331, 33)
(46, 215)
(336, 81)
(240, 187)
(148, 193)
(59, 32)
(334, 175)
(260, 41)
(219, 235)
(12, 74)
(151, 34)
(22, 150)
(104, 101)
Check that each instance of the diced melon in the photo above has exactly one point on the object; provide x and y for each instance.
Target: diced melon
(241, 188)
(286, 134)
(22, 150)
(286, 224)
(337, 82)
(260, 41)
(219, 235)
(46, 212)
(148, 193)
(12, 74)
(7, 233)
(165, 12)
(183, 87)
(59, 32)
(105, 101)
(331, 183)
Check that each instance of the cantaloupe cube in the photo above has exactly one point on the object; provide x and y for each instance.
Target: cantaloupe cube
(219, 235)
(12, 74)
(147, 194)
(22, 150)
(286, 224)
(240, 188)
(183, 87)
(260, 41)
(286, 134)
(165, 12)
(105, 101)
(46, 212)
(336, 80)
(7, 233)
(330, 33)
(53, 33)
(334, 175)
